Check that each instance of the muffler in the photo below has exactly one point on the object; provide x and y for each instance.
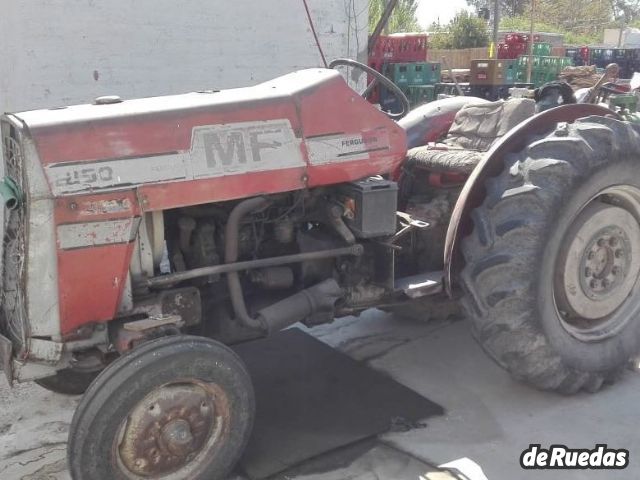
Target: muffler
(319, 298)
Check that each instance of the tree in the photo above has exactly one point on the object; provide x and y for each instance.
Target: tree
(580, 21)
(403, 18)
(523, 24)
(627, 10)
(508, 8)
(464, 31)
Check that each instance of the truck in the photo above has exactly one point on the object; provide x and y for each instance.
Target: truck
(143, 237)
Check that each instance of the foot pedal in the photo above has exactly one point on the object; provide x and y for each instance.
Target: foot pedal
(421, 285)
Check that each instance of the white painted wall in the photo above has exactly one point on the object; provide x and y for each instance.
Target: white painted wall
(55, 52)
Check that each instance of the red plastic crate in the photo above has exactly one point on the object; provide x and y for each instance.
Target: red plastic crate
(512, 50)
(584, 54)
(513, 38)
(504, 51)
(401, 48)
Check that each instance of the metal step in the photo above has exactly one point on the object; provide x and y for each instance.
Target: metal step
(421, 285)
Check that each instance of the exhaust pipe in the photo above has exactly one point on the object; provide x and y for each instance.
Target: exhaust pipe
(319, 298)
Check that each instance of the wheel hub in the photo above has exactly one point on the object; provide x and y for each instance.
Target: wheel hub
(177, 437)
(605, 262)
(599, 264)
(167, 429)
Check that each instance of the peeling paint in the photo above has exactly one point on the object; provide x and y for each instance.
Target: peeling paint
(91, 234)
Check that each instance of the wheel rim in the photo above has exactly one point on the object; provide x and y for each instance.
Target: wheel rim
(172, 431)
(598, 267)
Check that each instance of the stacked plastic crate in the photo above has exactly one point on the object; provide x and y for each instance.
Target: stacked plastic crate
(545, 68)
(492, 78)
(514, 45)
(579, 55)
(417, 80)
(402, 58)
(628, 59)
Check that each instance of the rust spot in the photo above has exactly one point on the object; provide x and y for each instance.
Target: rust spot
(171, 427)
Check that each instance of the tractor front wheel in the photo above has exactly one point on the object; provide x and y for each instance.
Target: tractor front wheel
(552, 264)
(176, 408)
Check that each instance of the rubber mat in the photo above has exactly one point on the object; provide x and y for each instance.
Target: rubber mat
(311, 399)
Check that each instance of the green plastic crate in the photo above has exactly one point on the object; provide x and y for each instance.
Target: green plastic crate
(523, 61)
(538, 76)
(419, 94)
(510, 73)
(399, 73)
(424, 73)
(543, 66)
(542, 49)
(565, 62)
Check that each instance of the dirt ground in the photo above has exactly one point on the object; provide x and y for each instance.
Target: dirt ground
(490, 418)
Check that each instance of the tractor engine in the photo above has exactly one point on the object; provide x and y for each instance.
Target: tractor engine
(329, 243)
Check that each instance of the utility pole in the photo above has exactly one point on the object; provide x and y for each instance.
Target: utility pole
(496, 24)
(623, 21)
(530, 59)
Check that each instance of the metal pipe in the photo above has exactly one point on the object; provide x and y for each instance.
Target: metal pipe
(453, 77)
(231, 249)
(173, 278)
(319, 298)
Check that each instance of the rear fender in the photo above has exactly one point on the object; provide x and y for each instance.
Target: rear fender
(492, 164)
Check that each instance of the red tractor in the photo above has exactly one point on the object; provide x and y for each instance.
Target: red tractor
(143, 236)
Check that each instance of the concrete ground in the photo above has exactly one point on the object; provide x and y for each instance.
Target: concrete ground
(490, 418)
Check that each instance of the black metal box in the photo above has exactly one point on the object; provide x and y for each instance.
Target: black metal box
(375, 202)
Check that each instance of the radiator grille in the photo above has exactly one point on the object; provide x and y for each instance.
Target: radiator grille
(12, 294)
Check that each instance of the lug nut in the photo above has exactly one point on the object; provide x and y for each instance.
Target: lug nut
(618, 253)
(593, 283)
(601, 242)
(613, 241)
(587, 272)
(615, 270)
(605, 283)
(591, 255)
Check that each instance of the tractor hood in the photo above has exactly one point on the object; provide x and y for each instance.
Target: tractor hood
(309, 126)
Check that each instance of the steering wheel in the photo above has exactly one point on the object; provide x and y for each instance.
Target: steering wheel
(377, 77)
(610, 72)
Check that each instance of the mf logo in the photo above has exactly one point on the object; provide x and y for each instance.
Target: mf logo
(244, 147)
(231, 148)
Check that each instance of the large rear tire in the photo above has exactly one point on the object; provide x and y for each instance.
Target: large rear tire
(552, 264)
(176, 408)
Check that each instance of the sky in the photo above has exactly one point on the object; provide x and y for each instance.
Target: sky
(430, 10)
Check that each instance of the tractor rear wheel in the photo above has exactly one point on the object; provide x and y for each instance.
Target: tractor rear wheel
(553, 261)
(176, 408)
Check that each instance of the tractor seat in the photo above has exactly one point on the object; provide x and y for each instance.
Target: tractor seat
(475, 128)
